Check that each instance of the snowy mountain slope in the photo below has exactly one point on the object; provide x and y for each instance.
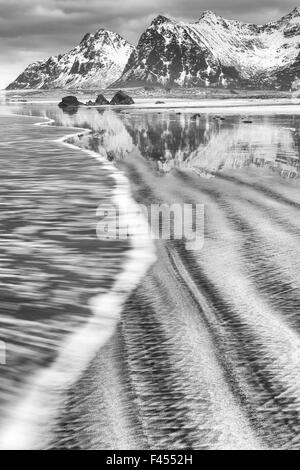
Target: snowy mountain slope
(96, 62)
(215, 51)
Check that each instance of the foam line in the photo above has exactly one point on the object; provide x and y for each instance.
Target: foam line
(29, 424)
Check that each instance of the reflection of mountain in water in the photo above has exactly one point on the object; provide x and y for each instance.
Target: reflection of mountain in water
(209, 145)
(165, 138)
(205, 144)
(108, 135)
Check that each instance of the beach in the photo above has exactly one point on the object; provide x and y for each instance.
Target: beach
(183, 348)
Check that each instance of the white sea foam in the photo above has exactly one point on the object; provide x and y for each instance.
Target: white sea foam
(30, 422)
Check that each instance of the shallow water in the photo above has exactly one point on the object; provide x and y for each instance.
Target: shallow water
(51, 260)
(207, 351)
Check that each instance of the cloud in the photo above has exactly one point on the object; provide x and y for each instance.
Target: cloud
(36, 29)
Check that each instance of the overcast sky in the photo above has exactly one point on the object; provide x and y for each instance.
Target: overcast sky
(35, 29)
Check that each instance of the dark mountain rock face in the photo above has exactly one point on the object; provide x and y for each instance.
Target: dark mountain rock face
(162, 58)
(216, 52)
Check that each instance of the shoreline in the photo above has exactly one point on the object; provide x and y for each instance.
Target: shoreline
(237, 106)
(22, 431)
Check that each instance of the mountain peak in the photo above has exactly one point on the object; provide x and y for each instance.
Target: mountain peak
(95, 62)
(101, 33)
(208, 15)
(104, 32)
(294, 14)
(85, 38)
(296, 11)
(161, 19)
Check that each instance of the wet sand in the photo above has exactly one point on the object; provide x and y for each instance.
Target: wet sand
(208, 344)
(206, 355)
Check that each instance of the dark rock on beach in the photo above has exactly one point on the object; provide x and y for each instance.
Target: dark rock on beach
(69, 102)
(110, 156)
(101, 100)
(121, 98)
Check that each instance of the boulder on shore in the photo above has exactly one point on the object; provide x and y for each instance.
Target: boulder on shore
(69, 102)
(121, 98)
(101, 100)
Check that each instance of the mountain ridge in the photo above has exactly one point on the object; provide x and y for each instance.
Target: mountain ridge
(96, 62)
(214, 51)
(211, 51)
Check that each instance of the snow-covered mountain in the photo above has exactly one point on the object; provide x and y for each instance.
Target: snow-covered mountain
(216, 51)
(96, 62)
(212, 51)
